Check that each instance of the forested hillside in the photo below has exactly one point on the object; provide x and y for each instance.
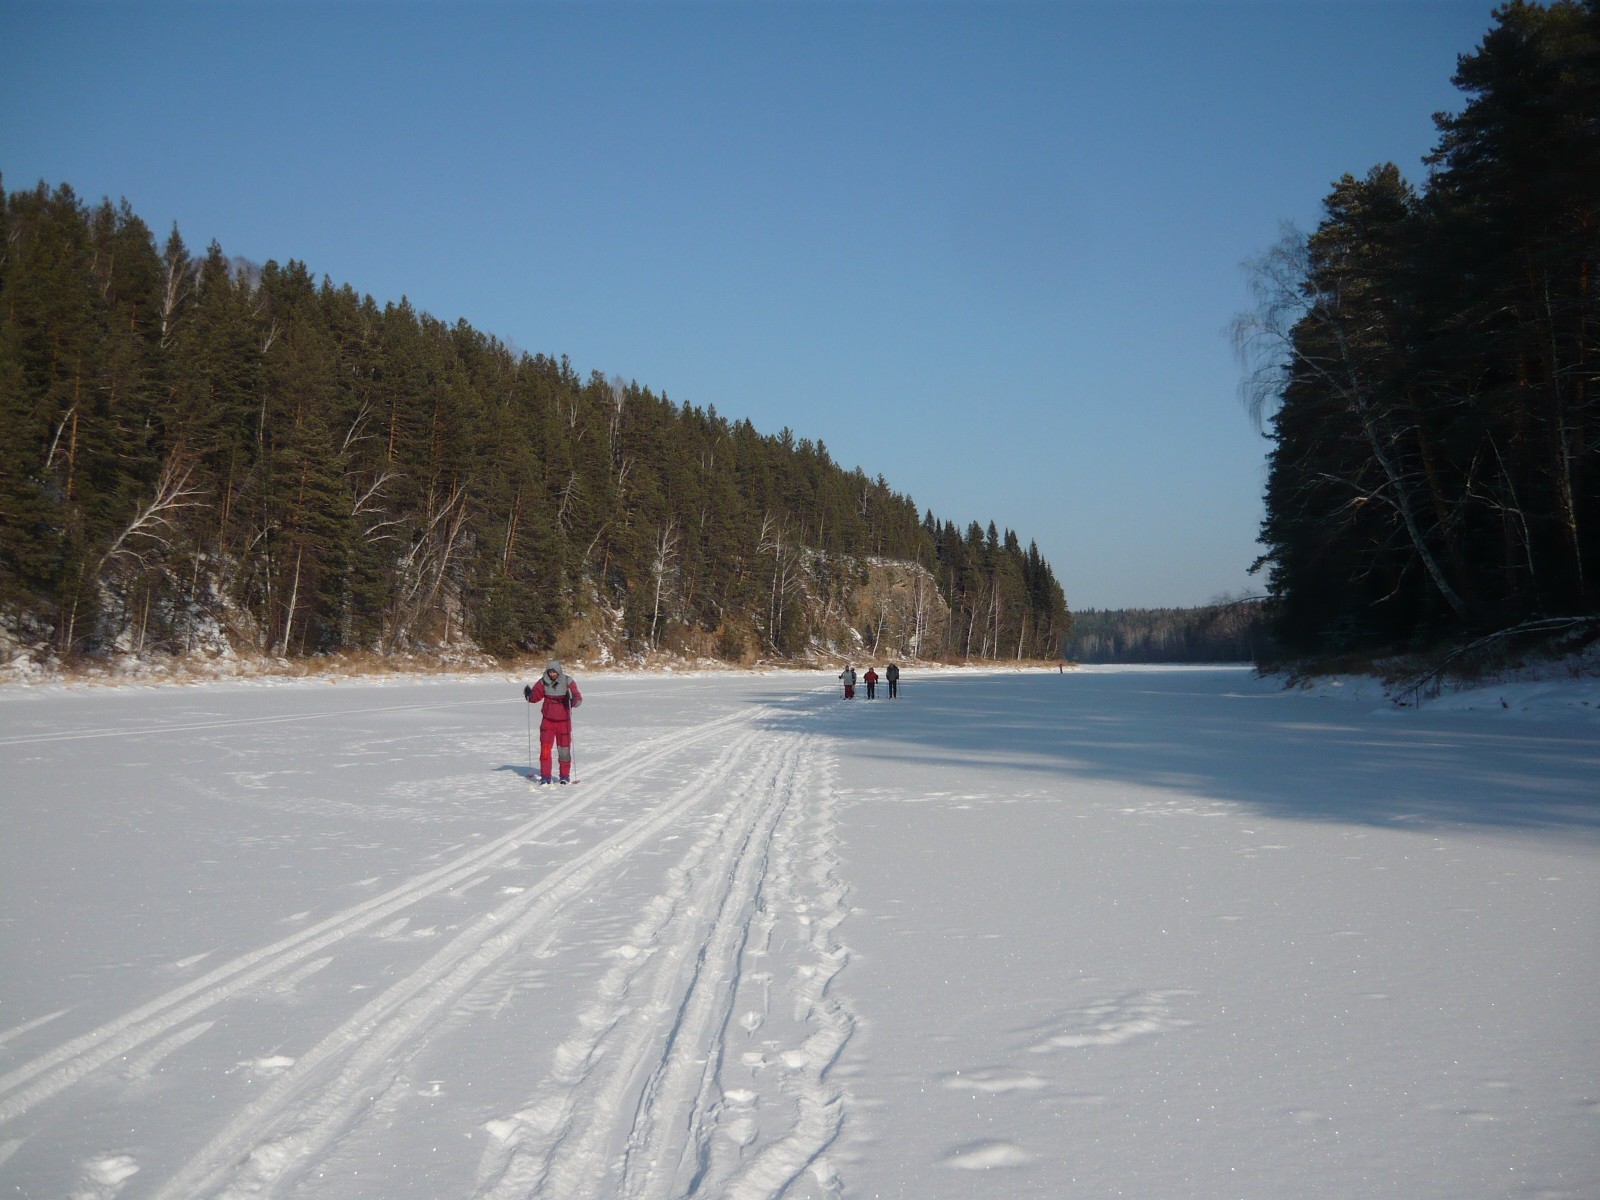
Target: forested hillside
(1428, 360)
(195, 450)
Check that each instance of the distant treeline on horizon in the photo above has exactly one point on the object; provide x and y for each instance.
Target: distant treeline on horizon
(1229, 631)
(191, 439)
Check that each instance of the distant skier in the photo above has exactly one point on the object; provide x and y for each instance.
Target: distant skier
(848, 676)
(559, 694)
(871, 680)
(892, 674)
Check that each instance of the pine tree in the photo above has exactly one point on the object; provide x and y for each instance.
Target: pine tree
(191, 440)
(1436, 460)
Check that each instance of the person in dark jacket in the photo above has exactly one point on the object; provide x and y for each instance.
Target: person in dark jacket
(558, 693)
(892, 674)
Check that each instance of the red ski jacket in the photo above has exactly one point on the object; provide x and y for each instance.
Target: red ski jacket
(559, 699)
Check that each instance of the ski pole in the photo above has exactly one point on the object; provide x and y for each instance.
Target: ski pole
(572, 742)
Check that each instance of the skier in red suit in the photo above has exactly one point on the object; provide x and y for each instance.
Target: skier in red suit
(558, 693)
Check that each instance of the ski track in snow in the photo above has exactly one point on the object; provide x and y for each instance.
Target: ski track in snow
(27, 1085)
(664, 1088)
(638, 989)
(658, 1092)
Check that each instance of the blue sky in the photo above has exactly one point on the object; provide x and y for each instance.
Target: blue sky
(987, 249)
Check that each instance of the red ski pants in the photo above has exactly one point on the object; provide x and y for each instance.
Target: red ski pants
(559, 736)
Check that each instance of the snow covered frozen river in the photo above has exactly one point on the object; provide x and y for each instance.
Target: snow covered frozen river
(1154, 933)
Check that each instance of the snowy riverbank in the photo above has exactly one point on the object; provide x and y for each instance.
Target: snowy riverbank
(1166, 932)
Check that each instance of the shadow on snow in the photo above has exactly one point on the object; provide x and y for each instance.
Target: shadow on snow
(1226, 735)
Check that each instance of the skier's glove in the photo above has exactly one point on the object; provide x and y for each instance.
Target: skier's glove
(527, 692)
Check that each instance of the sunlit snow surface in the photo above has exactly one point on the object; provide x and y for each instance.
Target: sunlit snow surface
(1151, 933)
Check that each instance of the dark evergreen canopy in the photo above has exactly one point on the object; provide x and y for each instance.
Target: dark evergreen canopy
(1431, 365)
(184, 436)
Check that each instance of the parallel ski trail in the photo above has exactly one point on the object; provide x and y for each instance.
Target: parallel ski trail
(27, 1085)
(290, 1125)
(673, 1126)
(562, 1142)
(819, 1105)
(635, 1102)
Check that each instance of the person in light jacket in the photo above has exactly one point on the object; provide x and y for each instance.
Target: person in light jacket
(848, 677)
(558, 693)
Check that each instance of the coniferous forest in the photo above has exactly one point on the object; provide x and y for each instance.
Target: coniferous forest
(1227, 631)
(1428, 360)
(194, 448)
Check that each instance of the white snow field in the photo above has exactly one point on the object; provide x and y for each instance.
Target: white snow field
(1150, 933)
